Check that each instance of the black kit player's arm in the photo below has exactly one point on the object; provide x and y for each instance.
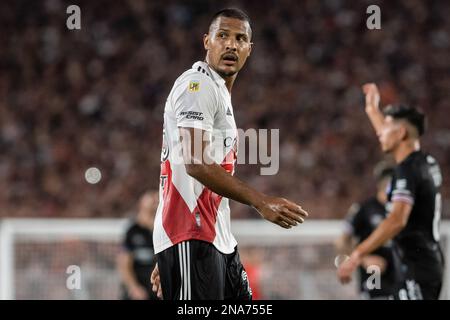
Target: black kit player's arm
(386, 230)
(200, 166)
(372, 97)
(346, 242)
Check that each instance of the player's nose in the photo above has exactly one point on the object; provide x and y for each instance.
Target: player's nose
(231, 45)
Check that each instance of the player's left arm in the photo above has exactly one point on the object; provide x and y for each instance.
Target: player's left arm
(387, 229)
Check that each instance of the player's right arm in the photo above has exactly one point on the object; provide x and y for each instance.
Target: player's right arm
(373, 111)
(197, 95)
(200, 166)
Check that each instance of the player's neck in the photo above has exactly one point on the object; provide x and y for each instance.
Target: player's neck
(229, 81)
(405, 149)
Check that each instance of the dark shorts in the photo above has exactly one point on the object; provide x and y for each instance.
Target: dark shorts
(414, 290)
(422, 270)
(421, 283)
(196, 270)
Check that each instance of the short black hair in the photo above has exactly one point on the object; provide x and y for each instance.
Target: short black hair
(231, 13)
(412, 115)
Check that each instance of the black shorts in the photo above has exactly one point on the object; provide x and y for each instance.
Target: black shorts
(421, 283)
(411, 289)
(421, 270)
(196, 270)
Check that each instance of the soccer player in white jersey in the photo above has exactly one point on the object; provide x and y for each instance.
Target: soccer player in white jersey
(196, 251)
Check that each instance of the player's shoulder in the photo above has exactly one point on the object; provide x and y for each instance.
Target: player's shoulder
(416, 163)
(131, 226)
(196, 78)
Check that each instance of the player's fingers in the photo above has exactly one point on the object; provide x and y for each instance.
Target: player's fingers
(296, 209)
(293, 216)
(283, 224)
(290, 222)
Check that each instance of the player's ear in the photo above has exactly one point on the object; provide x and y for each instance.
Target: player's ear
(206, 41)
(404, 133)
(250, 48)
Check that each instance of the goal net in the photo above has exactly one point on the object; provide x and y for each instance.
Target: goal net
(37, 257)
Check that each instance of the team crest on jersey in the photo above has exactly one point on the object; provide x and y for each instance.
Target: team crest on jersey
(194, 86)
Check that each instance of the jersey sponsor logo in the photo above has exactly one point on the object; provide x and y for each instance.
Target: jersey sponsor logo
(229, 112)
(194, 86)
(192, 115)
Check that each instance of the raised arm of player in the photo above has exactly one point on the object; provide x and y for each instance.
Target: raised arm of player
(388, 229)
(373, 106)
(199, 166)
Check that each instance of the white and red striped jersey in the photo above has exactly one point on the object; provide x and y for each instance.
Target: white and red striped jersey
(187, 209)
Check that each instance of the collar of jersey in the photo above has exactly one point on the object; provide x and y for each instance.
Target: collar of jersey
(214, 75)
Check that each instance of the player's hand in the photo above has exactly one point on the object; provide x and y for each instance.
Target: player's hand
(347, 267)
(372, 97)
(280, 211)
(137, 292)
(156, 282)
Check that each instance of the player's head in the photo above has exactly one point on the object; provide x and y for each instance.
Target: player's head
(228, 41)
(148, 204)
(401, 123)
(383, 172)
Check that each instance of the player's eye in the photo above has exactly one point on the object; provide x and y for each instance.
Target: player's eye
(242, 39)
(222, 35)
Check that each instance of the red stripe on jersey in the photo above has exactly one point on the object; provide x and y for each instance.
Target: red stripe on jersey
(179, 222)
(177, 219)
(208, 202)
(207, 206)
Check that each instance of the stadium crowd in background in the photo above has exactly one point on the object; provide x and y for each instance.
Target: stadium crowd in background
(94, 97)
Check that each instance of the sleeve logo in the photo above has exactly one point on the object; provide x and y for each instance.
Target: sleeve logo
(401, 184)
(194, 86)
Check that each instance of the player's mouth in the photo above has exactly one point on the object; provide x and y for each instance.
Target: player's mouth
(229, 59)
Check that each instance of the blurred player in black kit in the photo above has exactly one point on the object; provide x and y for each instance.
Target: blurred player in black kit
(136, 260)
(414, 207)
(361, 220)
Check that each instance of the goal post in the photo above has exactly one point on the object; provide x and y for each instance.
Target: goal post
(298, 263)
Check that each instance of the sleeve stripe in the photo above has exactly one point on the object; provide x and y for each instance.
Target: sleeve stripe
(403, 192)
(403, 198)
